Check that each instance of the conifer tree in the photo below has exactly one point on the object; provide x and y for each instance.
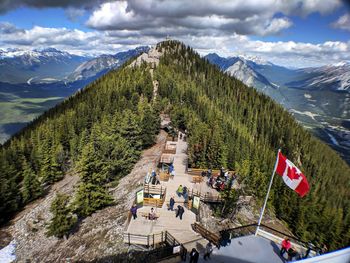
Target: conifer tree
(31, 186)
(91, 194)
(62, 217)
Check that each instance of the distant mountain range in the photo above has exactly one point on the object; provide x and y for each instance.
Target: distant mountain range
(318, 97)
(52, 65)
(34, 81)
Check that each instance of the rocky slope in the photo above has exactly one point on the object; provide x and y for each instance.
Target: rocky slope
(98, 236)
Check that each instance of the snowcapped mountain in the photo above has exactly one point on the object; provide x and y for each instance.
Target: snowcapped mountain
(319, 97)
(331, 77)
(51, 65)
(102, 64)
(46, 65)
(244, 70)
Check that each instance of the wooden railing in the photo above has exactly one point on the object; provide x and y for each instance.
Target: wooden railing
(150, 240)
(206, 197)
(198, 172)
(212, 237)
(154, 189)
(146, 240)
(154, 202)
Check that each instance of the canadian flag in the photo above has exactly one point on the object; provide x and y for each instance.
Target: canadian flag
(291, 175)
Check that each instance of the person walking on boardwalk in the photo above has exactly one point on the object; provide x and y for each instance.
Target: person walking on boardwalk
(194, 255)
(171, 203)
(133, 211)
(180, 190)
(208, 251)
(180, 211)
(286, 245)
(183, 252)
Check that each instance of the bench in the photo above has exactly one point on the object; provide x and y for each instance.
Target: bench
(197, 179)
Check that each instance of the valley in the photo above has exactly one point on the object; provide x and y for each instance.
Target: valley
(318, 98)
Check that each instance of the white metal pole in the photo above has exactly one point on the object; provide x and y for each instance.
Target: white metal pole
(267, 195)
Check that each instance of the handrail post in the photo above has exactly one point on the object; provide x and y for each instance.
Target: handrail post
(153, 240)
(147, 241)
(129, 239)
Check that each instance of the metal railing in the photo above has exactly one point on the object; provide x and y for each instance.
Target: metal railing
(266, 232)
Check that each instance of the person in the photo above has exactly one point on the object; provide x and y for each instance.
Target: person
(171, 203)
(185, 193)
(286, 245)
(133, 211)
(208, 250)
(179, 190)
(203, 173)
(324, 249)
(153, 173)
(292, 253)
(172, 173)
(180, 211)
(154, 180)
(152, 214)
(194, 255)
(183, 252)
(209, 173)
(171, 168)
(309, 247)
(222, 171)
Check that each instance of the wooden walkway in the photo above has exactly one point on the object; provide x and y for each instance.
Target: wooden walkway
(180, 229)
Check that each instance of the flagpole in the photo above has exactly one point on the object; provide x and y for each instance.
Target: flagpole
(268, 192)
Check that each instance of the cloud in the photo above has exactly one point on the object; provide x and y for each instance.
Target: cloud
(246, 17)
(7, 5)
(342, 23)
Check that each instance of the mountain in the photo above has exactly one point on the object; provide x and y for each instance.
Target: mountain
(22, 102)
(94, 138)
(318, 97)
(331, 77)
(104, 63)
(37, 66)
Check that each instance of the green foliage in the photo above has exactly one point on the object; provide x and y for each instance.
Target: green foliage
(31, 186)
(233, 125)
(63, 219)
(100, 131)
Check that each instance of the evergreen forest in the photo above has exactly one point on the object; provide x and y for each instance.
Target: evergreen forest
(100, 132)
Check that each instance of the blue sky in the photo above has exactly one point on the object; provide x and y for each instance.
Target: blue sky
(309, 32)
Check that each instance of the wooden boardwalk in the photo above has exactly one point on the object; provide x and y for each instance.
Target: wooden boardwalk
(180, 229)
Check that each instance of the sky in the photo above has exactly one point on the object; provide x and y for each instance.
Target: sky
(293, 33)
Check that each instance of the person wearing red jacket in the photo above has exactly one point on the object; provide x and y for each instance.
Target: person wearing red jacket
(286, 245)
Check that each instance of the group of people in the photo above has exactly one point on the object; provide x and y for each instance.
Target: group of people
(221, 180)
(151, 215)
(194, 254)
(292, 253)
(152, 178)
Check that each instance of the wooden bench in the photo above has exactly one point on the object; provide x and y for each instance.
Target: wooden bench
(197, 179)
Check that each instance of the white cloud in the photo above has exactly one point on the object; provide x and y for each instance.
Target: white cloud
(246, 17)
(343, 22)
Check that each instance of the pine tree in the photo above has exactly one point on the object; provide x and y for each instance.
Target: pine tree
(62, 217)
(31, 186)
(91, 195)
